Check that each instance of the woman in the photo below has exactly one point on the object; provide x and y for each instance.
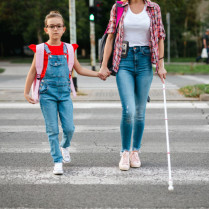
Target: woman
(141, 29)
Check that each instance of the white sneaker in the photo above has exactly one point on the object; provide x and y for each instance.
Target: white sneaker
(58, 170)
(124, 164)
(65, 155)
(135, 160)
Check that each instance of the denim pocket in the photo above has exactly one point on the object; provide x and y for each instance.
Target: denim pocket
(55, 63)
(43, 88)
(146, 51)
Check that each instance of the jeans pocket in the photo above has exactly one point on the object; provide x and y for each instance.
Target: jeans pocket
(146, 51)
(43, 88)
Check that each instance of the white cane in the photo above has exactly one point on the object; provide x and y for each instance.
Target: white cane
(170, 181)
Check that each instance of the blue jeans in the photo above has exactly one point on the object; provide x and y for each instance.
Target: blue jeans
(134, 79)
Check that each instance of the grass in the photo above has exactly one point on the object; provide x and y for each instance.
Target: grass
(195, 91)
(182, 59)
(187, 69)
(2, 70)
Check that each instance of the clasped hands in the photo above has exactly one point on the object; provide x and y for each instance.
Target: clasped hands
(104, 73)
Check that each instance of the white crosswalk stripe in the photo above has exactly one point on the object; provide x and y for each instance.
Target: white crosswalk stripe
(110, 105)
(101, 175)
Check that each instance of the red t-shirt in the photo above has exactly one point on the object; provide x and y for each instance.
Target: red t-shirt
(55, 50)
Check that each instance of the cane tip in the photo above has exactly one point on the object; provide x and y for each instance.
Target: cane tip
(170, 188)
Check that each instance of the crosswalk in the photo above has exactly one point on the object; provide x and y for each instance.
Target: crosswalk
(25, 158)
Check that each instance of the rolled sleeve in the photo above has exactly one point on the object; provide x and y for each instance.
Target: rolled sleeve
(160, 26)
(112, 22)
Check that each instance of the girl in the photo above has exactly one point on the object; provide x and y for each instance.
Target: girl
(141, 32)
(55, 89)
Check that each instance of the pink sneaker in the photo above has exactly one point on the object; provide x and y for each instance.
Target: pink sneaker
(124, 164)
(134, 160)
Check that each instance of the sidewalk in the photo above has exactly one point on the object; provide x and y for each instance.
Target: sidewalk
(12, 83)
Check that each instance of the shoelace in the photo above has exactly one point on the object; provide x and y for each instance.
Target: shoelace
(125, 158)
(65, 153)
(135, 156)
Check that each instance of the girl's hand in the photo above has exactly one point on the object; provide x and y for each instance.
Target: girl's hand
(162, 73)
(105, 72)
(101, 76)
(29, 99)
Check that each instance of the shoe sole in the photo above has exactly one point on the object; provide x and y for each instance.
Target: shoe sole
(58, 173)
(135, 166)
(124, 169)
(66, 162)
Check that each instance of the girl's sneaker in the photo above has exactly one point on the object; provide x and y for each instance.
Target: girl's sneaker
(65, 155)
(134, 160)
(58, 170)
(124, 163)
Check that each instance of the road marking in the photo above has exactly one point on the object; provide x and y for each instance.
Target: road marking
(146, 147)
(109, 129)
(112, 105)
(102, 175)
(102, 116)
(194, 78)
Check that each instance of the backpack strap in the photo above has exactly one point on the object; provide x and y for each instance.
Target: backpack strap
(119, 12)
(70, 65)
(39, 67)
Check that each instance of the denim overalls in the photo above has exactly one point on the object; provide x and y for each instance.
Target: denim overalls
(55, 99)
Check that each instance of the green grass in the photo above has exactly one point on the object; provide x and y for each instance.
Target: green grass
(182, 59)
(187, 69)
(195, 91)
(2, 70)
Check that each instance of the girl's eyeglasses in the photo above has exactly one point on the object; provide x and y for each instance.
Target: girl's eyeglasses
(52, 27)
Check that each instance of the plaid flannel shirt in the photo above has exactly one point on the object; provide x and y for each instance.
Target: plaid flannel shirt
(157, 32)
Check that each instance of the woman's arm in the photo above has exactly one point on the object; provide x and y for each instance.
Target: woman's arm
(29, 80)
(107, 52)
(161, 36)
(84, 71)
(161, 71)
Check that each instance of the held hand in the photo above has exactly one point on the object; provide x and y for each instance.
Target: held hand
(101, 76)
(162, 73)
(105, 72)
(29, 99)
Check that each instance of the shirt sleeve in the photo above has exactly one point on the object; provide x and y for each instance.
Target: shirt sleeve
(112, 22)
(160, 26)
(75, 46)
(32, 47)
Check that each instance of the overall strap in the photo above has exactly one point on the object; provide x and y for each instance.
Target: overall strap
(47, 49)
(64, 48)
(70, 50)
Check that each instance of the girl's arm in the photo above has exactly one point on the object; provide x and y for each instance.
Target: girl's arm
(29, 80)
(161, 71)
(84, 71)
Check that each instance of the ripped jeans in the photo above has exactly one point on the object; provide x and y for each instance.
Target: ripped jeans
(134, 79)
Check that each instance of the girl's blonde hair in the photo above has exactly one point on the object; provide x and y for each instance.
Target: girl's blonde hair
(53, 14)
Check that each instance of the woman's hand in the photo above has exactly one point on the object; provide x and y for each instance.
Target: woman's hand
(104, 71)
(162, 73)
(29, 99)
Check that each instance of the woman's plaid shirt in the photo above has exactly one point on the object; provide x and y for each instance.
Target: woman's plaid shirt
(157, 32)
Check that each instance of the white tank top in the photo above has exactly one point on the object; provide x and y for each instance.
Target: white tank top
(136, 28)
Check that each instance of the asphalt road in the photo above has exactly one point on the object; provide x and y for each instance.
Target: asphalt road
(93, 179)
